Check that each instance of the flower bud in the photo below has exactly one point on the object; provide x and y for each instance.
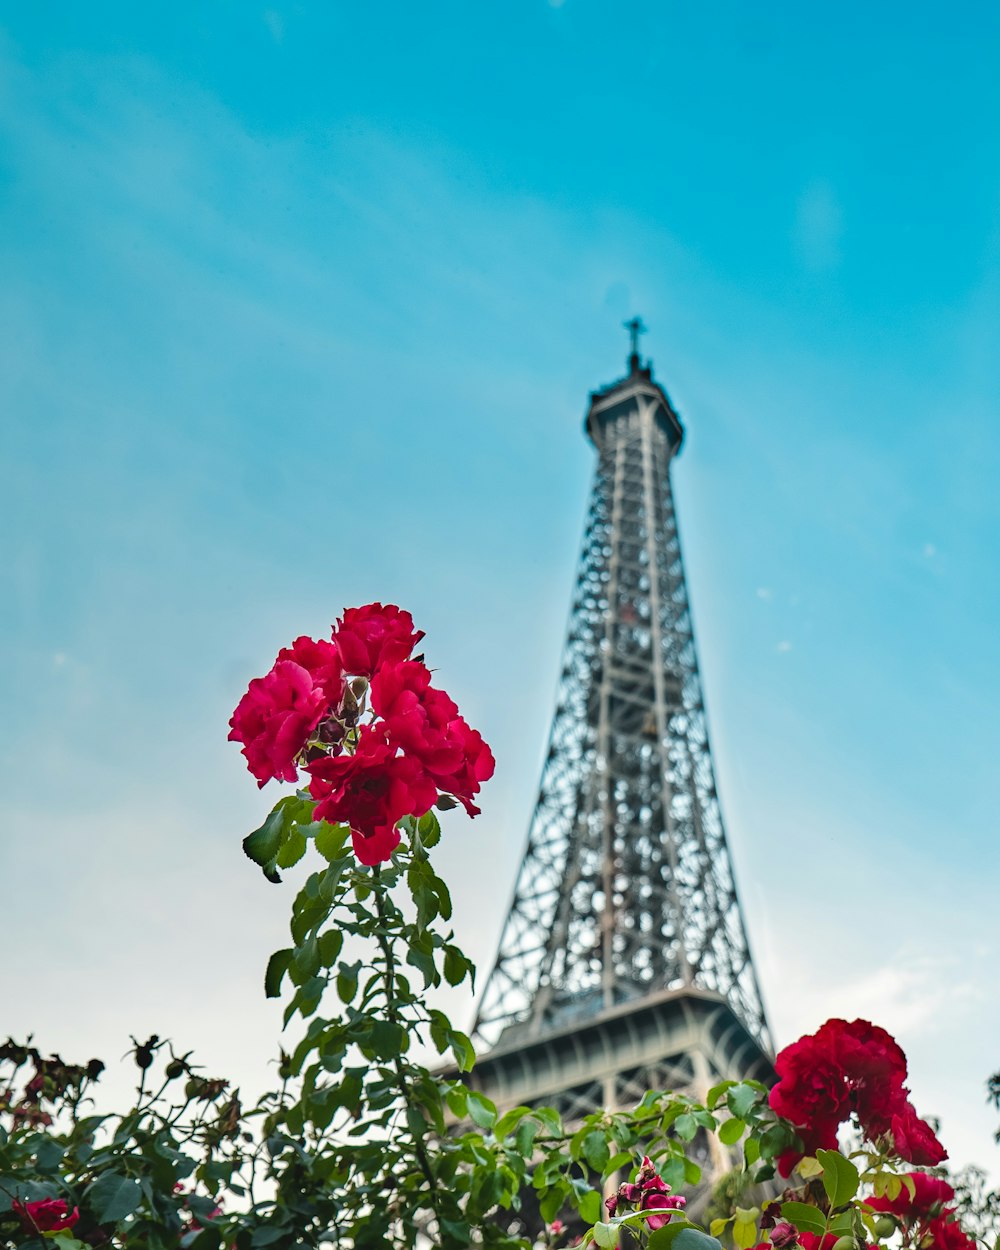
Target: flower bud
(174, 1069)
(846, 1242)
(885, 1226)
(784, 1234)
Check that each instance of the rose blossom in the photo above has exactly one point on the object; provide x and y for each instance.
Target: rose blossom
(426, 724)
(47, 1215)
(374, 635)
(280, 710)
(370, 791)
(844, 1068)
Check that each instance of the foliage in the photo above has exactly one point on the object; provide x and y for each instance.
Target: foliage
(365, 1147)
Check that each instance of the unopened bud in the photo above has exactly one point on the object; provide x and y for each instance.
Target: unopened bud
(784, 1234)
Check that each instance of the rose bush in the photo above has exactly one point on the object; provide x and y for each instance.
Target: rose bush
(365, 1147)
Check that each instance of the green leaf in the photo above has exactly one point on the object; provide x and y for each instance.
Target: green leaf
(462, 1049)
(112, 1197)
(263, 845)
(740, 1099)
(385, 1039)
(429, 828)
(455, 965)
(682, 1237)
(292, 850)
(605, 1235)
(731, 1132)
(590, 1207)
(745, 1227)
(685, 1126)
(482, 1111)
(840, 1177)
(277, 966)
(595, 1150)
(330, 944)
(347, 982)
(717, 1226)
(804, 1216)
(331, 840)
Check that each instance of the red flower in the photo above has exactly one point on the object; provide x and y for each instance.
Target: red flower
(914, 1138)
(651, 1193)
(946, 1234)
(784, 1235)
(425, 722)
(813, 1241)
(373, 635)
(321, 660)
(930, 1193)
(47, 1215)
(844, 1068)
(279, 711)
(370, 791)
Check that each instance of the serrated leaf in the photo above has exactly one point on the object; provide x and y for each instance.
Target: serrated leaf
(685, 1126)
(263, 845)
(112, 1197)
(329, 945)
(331, 840)
(740, 1099)
(292, 849)
(840, 1177)
(277, 966)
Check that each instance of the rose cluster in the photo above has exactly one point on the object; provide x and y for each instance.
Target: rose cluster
(367, 766)
(847, 1068)
(649, 1192)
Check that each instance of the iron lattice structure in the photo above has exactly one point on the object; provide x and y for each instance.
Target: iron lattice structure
(626, 896)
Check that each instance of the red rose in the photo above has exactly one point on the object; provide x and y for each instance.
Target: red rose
(373, 635)
(914, 1138)
(844, 1068)
(930, 1193)
(946, 1234)
(426, 724)
(813, 1241)
(370, 791)
(321, 660)
(274, 719)
(47, 1215)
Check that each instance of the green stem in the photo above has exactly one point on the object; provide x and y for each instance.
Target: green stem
(392, 1009)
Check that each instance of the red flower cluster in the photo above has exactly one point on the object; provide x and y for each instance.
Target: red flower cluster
(849, 1068)
(649, 1192)
(305, 713)
(926, 1212)
(47, 1215)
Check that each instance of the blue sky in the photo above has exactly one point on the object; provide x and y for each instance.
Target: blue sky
(301, 307)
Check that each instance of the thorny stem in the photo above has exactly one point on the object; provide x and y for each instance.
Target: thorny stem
(394, 1016)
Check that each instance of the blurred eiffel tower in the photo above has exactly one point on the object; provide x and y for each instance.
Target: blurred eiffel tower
(624, 963)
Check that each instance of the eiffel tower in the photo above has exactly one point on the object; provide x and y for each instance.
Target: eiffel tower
(624, 963)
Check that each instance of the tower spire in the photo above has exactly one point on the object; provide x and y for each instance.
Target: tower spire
(635, 328)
